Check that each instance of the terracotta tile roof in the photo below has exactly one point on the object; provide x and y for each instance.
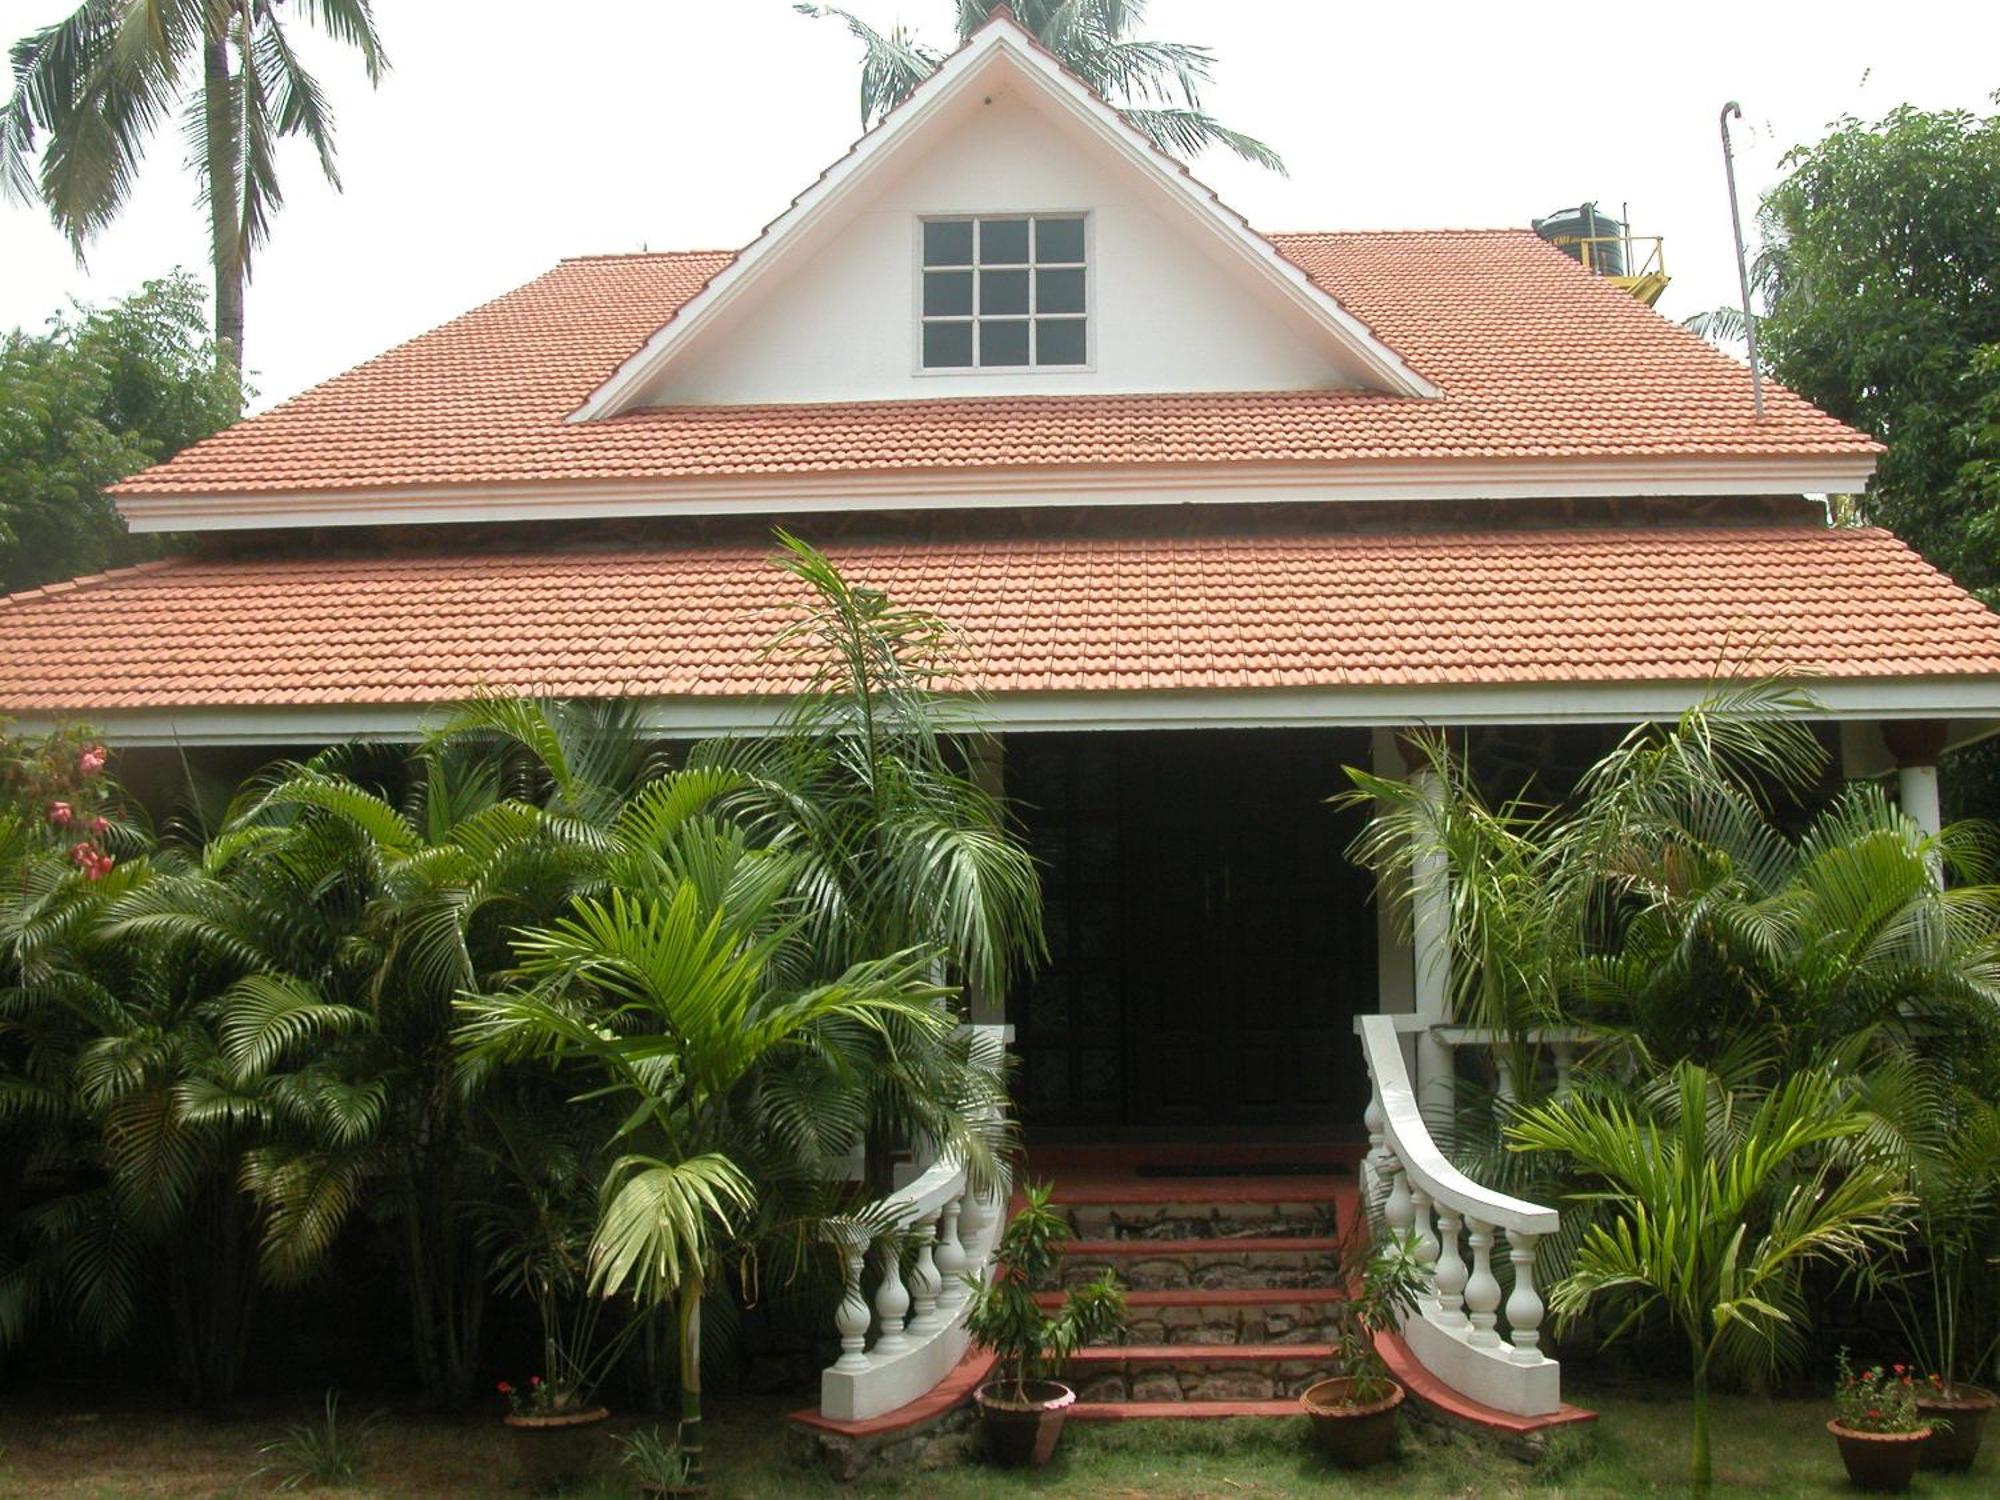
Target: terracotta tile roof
(1537, 359)
(1047, 614)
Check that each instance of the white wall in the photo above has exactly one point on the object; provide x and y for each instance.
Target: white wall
(836, 317)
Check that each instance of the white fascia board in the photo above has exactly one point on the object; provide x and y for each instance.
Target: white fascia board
(1971, 703)
(985, 489)
(1000, 43)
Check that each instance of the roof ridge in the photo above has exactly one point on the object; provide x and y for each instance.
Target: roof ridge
(645, 255)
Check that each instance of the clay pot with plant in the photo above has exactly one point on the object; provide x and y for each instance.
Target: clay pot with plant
(658, 1464)
(1354, 1413)
(1023, 1407)
(1877, 1426)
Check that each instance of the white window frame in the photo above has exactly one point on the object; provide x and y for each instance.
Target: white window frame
(1088, 317)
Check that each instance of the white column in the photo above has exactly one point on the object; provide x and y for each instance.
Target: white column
(973, 1219)
(892, 1301)
(1420, 1214)
(851, 1317)
(1430, 924)
(1375, 1163)
(1395, 965)
(1398, 1213)
(1917, 794)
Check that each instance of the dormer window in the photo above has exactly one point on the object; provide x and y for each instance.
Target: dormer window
(1005, 293)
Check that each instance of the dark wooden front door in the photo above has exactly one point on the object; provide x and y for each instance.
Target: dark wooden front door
(1209, 943)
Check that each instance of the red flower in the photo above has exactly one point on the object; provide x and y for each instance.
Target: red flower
(504, 1388)
(60, 813)
(1875, 1413)
(535, 1380)
(1899, 1369)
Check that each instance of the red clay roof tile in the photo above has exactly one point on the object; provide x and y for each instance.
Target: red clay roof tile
(1040, 614)
(1537, 359)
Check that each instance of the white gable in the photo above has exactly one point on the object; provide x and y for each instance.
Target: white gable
(824, 306)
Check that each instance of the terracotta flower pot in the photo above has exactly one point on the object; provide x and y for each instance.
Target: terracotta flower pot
(1353, 1436)
(1023, 1434)
(555, 1450)
(1880, 1460)
(1960, 1422)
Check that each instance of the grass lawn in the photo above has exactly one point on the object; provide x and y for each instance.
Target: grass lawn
(1639, 1449)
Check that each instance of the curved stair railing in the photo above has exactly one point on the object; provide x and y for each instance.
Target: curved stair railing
(1409, 1188)
(925, 1238)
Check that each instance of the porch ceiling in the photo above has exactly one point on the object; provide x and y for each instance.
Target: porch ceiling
(1062, 631)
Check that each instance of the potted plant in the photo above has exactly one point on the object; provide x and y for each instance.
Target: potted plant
(540, 1236)
(1877, 1425)
(658, 1463)
(1022, 1410)
(1354, 1413)
(1944, 1302)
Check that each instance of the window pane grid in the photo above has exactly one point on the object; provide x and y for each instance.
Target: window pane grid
(1004, 293)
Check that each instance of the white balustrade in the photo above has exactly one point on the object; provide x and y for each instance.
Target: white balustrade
(948, 1229)
(1455, 1330)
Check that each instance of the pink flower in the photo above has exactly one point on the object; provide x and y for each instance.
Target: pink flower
(100, 825)
(82, 854)
(505, 1389)
(60, 813)
(91, 761)
(534, 1380)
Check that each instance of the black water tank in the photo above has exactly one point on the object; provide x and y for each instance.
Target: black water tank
(1566, 227)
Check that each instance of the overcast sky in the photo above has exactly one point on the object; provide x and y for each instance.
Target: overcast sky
(513, 132)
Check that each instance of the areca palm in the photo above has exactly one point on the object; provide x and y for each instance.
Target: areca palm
(742, 1086)
(868, 787)
(1715, 1203)
(91, 90)
(1155, 85)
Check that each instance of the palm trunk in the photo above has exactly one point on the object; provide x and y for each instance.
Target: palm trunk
(690, 1340)
(224, 149)
(1701, 1475)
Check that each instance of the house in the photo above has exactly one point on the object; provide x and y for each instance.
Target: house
(1218, 510)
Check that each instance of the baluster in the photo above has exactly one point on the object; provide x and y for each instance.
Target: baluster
(1451, 1271)
(892, 1300)
(972, 1233)
(1524, 1306)
(1426, 1248)
(851, 1317)
(1565, 1061)
(924, 1280)
(1482, 1291)
(1372, 1162)
(950, 1256)
(1503, 1071)
(1398, 1212)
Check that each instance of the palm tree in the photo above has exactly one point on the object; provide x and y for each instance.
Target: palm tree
(100, 82)
(1717, 1201)
(742, 1086)
(1156, 86)
(869, 787)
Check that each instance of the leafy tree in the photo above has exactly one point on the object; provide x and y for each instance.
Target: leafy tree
(102, 394)
(1717, 1202)
(1880, 273)
(1155, 85)
(91, 89)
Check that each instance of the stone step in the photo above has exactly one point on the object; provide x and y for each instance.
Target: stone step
(1198, 1372)
(1180, 1411)
(1232, 1315)
(1263, 1262)
(1109, 1207)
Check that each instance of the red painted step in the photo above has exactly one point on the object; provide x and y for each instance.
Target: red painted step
(1123, 1189)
